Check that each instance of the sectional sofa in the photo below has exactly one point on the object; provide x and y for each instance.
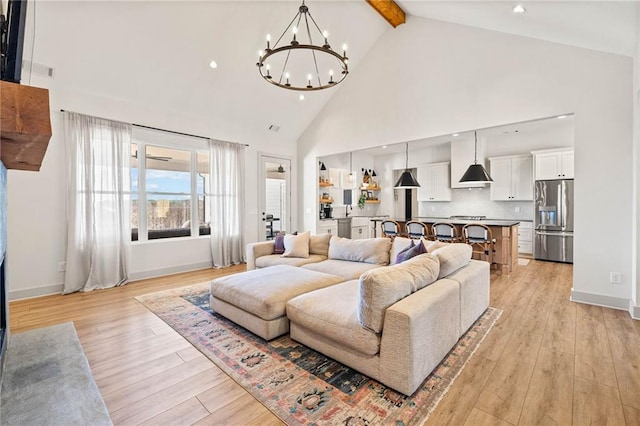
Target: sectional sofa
(352, 301)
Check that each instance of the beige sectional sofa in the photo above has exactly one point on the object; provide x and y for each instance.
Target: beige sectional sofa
(392, 322)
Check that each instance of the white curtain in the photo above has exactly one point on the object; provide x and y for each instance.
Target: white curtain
(226, 171)
(98, 202)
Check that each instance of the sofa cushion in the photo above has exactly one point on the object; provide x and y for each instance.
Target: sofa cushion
(296, 245)
(331, 312)
(452, 257)
(265, 292)
(382, 287)
(319, 244)
(276, 259)
(368, 250)
(343, 268)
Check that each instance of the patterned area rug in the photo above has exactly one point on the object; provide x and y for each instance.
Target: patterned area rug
(296, 383)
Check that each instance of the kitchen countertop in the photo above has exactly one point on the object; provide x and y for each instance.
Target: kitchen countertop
(488, 222)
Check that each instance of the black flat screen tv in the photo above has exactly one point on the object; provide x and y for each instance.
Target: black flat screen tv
(12, 41)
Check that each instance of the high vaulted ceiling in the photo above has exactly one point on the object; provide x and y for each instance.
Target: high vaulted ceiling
(609, 26)
(155, 55)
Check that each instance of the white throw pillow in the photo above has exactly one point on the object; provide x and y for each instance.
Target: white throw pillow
(368, 250)
(296, 245)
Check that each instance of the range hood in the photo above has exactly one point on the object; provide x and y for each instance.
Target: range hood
(25, 126)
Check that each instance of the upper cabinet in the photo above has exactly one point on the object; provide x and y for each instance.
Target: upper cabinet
(434, 181)
(512, 178)
(462, 156)
(553, 164)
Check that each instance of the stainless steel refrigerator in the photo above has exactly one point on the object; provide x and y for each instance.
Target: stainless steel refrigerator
(553, 220)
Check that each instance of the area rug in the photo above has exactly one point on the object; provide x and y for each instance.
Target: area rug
(523, 262)
(296, 383)
(47, 381)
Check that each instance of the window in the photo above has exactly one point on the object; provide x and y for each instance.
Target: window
(169, 188)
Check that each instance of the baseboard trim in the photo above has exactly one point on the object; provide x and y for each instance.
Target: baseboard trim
(135, 276)
(600, 300)
(634, 310)
(30, 293)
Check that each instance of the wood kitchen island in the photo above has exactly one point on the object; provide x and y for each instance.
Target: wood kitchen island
(505, 232)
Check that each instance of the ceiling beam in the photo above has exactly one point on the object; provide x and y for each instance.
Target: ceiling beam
(389, 10)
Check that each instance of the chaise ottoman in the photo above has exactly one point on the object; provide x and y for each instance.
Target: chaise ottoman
(257, 299)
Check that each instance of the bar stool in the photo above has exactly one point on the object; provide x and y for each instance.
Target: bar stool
(480, 238)
(416, 230)
(390, 228)
(445, 232)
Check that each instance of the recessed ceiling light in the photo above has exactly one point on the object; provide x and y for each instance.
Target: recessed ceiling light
(562, 116)
(384, 147)
(519, 9)
(213, 64)
(455, 134)
(301, 97)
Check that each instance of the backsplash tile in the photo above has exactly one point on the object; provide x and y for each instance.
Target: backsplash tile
(476, 202)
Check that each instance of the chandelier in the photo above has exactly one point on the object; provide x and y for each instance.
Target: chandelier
(290, 62)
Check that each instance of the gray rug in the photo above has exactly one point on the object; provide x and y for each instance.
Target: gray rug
(47, 381)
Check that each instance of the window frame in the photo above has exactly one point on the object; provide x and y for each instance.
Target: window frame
(147, 137)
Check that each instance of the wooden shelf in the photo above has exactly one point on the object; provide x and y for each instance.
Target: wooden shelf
(326, 200)
(325, 184)
(372, 201)
(370, 188)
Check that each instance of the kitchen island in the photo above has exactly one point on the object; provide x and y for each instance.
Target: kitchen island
(505, 232)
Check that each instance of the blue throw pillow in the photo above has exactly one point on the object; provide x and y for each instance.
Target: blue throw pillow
(411, 251)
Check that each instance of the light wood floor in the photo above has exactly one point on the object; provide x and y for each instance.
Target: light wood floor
(546, 361)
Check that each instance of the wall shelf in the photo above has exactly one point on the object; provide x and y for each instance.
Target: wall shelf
(325, 184)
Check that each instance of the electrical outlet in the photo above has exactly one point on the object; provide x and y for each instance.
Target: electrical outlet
(62, 266)
(615, 277)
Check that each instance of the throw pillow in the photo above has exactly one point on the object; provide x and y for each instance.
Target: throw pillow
(296, 245)
(319, 244)
(278, 243)
(412, 251)
(400, 256)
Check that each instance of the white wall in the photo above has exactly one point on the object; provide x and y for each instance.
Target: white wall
(36, 216)
(429, 78)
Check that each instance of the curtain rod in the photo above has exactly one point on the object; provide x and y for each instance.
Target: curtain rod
(170, 131)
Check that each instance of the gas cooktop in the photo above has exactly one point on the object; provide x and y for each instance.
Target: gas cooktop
(464, 217)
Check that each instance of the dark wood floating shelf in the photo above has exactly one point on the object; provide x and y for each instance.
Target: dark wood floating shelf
(25, 126)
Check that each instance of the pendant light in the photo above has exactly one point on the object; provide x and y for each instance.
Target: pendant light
(406, 181)
(476, 172)
(350, 177)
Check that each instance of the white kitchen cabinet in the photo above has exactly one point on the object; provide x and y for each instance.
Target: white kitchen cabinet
(359, 232)
(462, 156)
(434, 182)
(328, 227)
(553, 164)
(525, 237)
(512, 178)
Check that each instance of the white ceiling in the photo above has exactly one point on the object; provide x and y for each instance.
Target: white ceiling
(155, 54)
(608, 26)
